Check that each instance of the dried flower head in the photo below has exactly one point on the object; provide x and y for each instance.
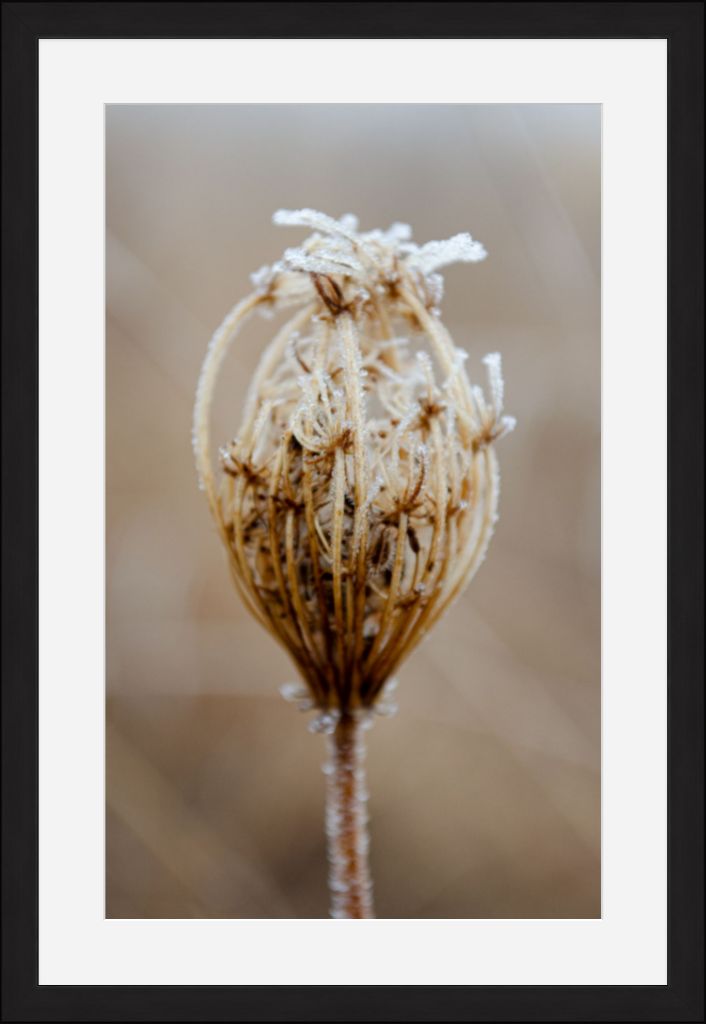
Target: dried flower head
(358, 497)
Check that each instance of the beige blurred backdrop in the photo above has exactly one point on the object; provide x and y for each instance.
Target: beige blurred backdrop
(485, 787)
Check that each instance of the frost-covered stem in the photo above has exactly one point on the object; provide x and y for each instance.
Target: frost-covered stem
(347, 821)
(216, 353)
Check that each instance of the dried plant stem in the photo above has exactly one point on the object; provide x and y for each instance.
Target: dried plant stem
(346, 821)
(359, 495)
(217, 350)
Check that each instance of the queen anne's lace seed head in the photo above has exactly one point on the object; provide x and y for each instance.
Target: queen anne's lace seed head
(359, 496)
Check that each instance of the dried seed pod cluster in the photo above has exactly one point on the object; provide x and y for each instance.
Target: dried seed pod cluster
(359, 495)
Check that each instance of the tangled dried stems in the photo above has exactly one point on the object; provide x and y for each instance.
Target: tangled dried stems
(359, 496)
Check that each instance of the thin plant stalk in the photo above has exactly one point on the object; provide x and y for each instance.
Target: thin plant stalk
(347, 821)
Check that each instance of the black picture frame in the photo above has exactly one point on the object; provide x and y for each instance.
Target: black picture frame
(681, 999)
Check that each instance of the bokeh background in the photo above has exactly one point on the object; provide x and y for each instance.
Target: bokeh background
(485, 787)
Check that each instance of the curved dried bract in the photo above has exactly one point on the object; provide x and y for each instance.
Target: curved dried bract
(359, 496)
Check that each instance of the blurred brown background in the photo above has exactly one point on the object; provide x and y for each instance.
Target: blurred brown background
(485, 788)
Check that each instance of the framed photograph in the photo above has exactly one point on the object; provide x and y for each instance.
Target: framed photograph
(353, 503)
